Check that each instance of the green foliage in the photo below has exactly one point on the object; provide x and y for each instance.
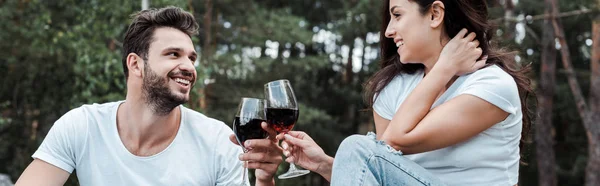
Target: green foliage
(58, 55)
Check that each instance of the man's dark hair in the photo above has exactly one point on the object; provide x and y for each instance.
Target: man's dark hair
(140, 33)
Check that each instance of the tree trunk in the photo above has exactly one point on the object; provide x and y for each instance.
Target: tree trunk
(595, 66)
(509, 25)
(592, 172)
(145, 4)
(543, 131)
(190, 6)
(348, 73)
(207, 27)
(566, 61)
(593, 167)
(206, 49)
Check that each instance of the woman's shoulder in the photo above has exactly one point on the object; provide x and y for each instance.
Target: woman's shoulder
(494, 85)
(406, 79)
(491, 72)
(492, 75)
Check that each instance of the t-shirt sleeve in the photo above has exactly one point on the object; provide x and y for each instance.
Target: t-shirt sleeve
(382, 106)
(495, 87)
(229, 167)
(386, 101)
(63, 143)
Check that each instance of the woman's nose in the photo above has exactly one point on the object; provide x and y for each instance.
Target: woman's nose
(389, 33)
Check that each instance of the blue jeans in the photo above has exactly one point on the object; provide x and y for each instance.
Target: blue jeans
(363, 160)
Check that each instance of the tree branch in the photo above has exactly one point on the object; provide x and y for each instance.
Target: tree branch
(566, 61)
(544, 16)
(533, 35)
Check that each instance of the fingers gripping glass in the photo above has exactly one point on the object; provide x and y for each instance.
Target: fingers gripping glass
(246, 124)
(282, 114)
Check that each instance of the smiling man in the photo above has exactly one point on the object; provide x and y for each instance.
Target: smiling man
(149, 138)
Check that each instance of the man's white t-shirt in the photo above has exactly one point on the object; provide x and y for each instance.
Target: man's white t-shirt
(86, 140)
(491, 157)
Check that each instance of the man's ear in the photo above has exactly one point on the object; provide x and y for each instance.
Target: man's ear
(135, 64)
(437, 14)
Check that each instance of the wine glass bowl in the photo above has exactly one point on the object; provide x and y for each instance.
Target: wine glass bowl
(281, 114)
(247, 123)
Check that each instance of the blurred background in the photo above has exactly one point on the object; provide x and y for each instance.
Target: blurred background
(56, 55)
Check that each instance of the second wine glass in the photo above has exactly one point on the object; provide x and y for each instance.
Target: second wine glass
(282, 114)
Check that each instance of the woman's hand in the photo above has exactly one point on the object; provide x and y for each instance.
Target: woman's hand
(460, 55)
(301, 149)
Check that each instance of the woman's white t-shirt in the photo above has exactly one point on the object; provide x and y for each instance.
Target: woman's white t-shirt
(489, 158)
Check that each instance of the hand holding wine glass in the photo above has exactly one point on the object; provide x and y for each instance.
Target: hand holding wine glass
(246, 124)
(302, 150)
(251, 132)
(282, 114)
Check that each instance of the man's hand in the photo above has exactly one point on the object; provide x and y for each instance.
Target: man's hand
(264, 155)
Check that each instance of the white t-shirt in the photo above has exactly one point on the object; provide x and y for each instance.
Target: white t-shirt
(489, 158)
(86, 139)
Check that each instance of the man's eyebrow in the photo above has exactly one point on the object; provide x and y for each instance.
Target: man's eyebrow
(178, 49)
(173, 48)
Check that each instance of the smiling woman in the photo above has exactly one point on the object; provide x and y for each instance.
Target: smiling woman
(449, 108)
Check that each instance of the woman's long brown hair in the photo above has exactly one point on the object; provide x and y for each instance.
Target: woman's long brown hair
(469, 14)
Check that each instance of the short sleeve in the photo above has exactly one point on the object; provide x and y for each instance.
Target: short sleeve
(64, 141)
(382, 105)
(229, 167)
(496, 87)
(388, 100)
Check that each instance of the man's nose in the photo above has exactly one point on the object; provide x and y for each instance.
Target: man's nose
(187, 68)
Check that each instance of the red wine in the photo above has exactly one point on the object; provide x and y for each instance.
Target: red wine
(282, 119)
(246, 129)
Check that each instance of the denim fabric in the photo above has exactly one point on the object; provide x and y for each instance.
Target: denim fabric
(363, 160)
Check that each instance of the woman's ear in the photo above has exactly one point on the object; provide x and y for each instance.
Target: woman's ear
(437, 14)
(135, 64)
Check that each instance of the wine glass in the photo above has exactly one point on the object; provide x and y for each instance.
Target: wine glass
(246, 124)
(282, 114)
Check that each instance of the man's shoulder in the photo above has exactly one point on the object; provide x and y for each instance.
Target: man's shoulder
(202, 122)
(78, 119)
(95, 108)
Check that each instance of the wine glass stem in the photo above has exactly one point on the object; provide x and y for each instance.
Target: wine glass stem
(244, 169)
(244, 173)
(292, 167)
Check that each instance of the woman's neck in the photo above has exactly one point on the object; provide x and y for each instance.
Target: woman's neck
(434, 56)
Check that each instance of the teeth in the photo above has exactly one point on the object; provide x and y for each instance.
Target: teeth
(186, 82)
(398, 44)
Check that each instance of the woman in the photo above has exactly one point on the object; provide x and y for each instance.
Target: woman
(440, 118)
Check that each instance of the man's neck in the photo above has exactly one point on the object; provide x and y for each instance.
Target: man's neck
(143, 132)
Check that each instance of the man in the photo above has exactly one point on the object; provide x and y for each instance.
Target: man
(150, 138)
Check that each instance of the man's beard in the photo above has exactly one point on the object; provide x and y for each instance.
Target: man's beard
(157, 95)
